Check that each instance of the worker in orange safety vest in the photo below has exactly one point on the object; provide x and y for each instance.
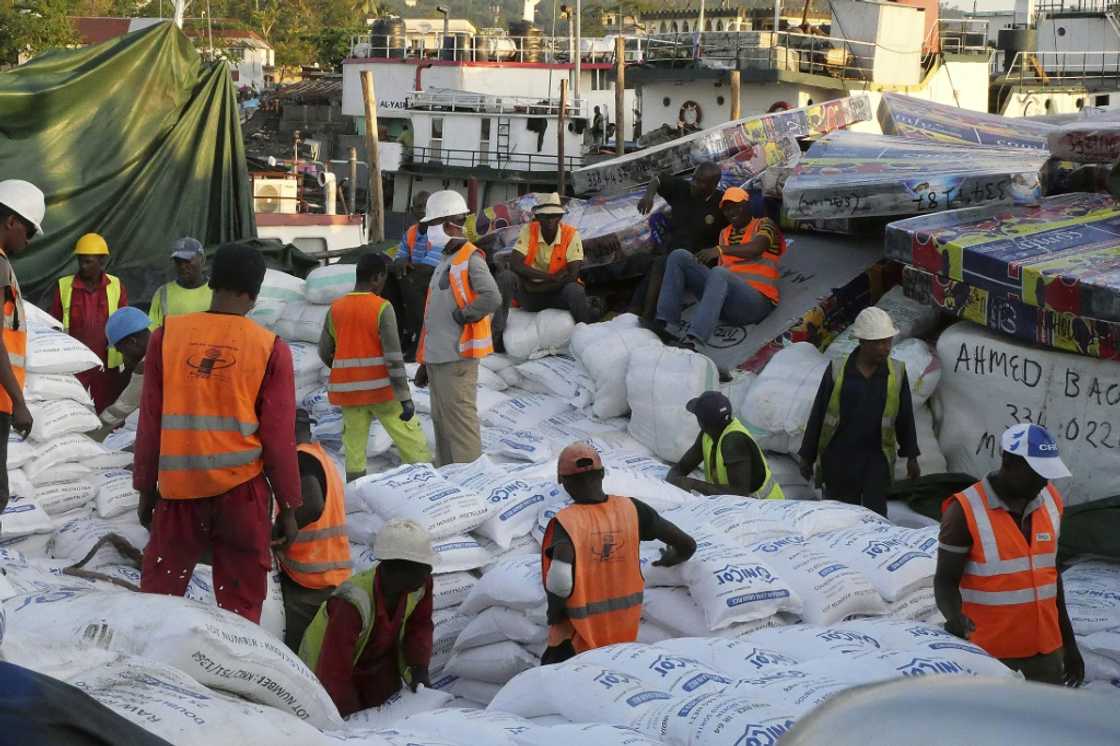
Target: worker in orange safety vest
(318, 559)
(544, 268)
(997, 581)
(736, 281)
(456, 334)
(589, 559)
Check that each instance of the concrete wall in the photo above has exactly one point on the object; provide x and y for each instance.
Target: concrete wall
(887, 38)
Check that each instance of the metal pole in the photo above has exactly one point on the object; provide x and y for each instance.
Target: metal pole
(562, 183)
(736, 84)
(352, 198)
(700, 23)
(376, 198)
(777, 19)
(619, 94)
(180, 11)
(579, 45)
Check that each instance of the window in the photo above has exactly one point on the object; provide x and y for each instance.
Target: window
(600, 80)
(1101, 100)
(484, 142)
(435, 142)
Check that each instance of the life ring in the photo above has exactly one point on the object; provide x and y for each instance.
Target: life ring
(778, 106)
(690, 114)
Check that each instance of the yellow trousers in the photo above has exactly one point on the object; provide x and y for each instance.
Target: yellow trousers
(407, 436)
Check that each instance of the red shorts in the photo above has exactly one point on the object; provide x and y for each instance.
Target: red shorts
(236, 526)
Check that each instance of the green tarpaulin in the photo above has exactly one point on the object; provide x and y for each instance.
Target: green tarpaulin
(137, 139)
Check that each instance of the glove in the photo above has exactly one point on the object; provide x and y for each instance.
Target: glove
(459, 318)
(408, 409)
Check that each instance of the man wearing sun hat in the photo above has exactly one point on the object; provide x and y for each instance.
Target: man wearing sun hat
(862, 419)
(997, 582)
(83, 302)
(544, 267)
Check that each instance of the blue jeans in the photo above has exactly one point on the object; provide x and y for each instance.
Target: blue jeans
(722, 296)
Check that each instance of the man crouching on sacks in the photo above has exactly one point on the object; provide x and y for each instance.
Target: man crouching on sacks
(589, 557)
(376, 630)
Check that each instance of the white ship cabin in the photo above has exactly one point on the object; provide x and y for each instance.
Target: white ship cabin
(477, 109)
(865, 45)
(1056, 57)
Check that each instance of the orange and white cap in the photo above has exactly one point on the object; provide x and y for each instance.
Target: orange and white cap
(578, 458)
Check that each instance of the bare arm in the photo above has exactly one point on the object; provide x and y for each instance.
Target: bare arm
(1074, 663)
(680, 545)
(645, 204)
(947, 591)
(326, 341)
(692, 458)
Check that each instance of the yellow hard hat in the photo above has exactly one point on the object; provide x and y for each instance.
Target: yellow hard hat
(91, 244)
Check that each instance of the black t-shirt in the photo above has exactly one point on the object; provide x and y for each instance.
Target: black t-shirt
(695, 222)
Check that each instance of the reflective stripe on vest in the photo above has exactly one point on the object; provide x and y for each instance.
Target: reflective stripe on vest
(716, 473)
(558, 260)
(213, 367)
(762, 273)
(1009, 585)
(320, 555)
(113, 299)
(359, 375)
(605, 606)
(475, 340)
(358, 591)
(888, 443)
(14, 334)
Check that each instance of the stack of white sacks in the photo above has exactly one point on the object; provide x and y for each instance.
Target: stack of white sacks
(1092, 590)
(784, 604)
(65, 486)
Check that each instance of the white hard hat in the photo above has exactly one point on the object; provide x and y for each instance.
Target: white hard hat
(445, 204)
(874, 323)
(404, 540)
(24, 199)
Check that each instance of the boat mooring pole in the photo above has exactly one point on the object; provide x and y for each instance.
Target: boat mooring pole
(562, 182)
(619, 95)
(376, 197)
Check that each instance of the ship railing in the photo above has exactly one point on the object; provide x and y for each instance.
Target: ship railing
(490, 48)
(469, 101)
(765, 50)
(1065, 68)
(455, 158)
(1044, 8)
(961, 36)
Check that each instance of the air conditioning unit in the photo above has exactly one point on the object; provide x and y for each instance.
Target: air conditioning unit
(276, 194)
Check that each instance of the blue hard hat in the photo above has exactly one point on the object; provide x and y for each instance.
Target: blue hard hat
(125, 322)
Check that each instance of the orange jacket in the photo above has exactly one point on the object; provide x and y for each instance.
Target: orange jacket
(762, 273)
(606, 602)
(320, 555)
(15, 338)
(1009, 587)
(558, 261)
(410, 239)
(359, 375)
(213, 366)
(475, 340)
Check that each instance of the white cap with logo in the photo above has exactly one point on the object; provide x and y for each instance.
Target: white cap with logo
(1038, 447)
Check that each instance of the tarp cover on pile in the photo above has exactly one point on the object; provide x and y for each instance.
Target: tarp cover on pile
(1063, 255)
(136, 139)
(754, 143)
(848, 174)
(916, 119)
